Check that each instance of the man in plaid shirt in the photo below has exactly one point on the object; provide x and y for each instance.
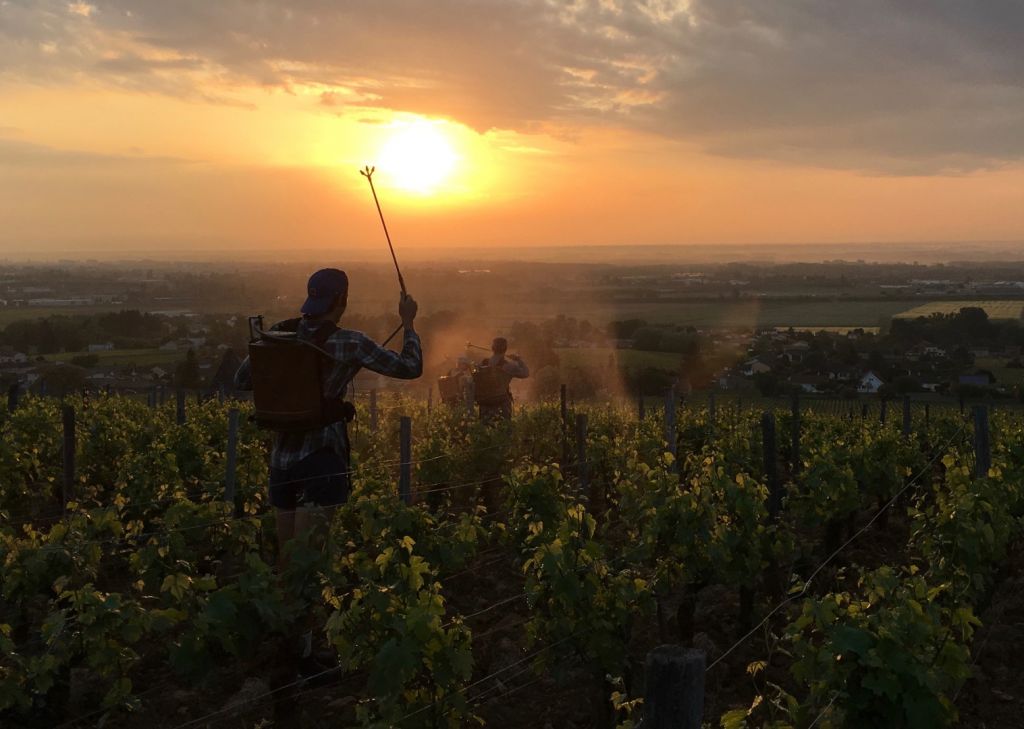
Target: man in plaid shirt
(311, 468)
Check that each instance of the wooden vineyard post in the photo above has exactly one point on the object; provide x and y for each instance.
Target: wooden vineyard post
(231, 464)
(563, 409)
(430, 399)
(68, 484)
(640, 411)
(906, 416)
(405, 457)
(674, 696)
(373, 411)
(712, 413)
(927, 414)
(961, 404)
(771, 465)
(162, 394)
(12, 398)
(795, 434)
(864, 411)
(670, 425)
(883, 411)
(581, 452)
(180, 406)
(982, 452)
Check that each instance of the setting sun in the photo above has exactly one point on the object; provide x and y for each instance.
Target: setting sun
(417, 156)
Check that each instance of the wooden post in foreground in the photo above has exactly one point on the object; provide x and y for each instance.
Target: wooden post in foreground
(373, 411)
(563, 409)
(405, 456)
(232, 462)
(674, 697)
(68, 484)
(795, 434)
(771, 466)
(670, 424)
(581, 452)
(982, 451)
(180, 406)
(906, 416)
(12, 397)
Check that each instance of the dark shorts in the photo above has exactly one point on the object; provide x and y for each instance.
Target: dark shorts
(320, 478)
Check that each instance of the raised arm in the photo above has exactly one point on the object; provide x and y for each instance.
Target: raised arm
(404, 365)
(515, 366)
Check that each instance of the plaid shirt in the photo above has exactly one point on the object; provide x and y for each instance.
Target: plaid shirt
(352, 351)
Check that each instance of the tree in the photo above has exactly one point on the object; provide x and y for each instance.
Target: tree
(767, 383)
(63, 378)
(625, 329)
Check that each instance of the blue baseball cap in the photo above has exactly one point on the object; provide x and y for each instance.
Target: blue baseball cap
(324, 287)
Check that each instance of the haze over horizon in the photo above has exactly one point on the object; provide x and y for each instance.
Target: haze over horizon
(142, 128)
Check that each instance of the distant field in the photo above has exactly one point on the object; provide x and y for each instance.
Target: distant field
(137, 357)
(833, 330)
(628, 359)
(994, 309)
(726, 313)
(1004, 375)
(9, 315)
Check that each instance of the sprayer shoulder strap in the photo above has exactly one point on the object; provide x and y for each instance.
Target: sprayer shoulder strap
(320, 335)
(288, 325)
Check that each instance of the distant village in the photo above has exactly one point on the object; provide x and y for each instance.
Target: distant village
(71, 327)
(855, 363)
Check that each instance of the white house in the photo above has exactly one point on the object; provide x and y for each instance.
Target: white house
(754, 367)
(870, 383)
(13, 358)
(105, 347)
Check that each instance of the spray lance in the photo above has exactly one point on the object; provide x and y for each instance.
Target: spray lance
(367, 172)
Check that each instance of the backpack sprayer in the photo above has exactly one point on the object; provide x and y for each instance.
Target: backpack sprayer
(490, 386)
(287, 371)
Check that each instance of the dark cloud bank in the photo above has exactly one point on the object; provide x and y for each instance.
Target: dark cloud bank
(892, 87)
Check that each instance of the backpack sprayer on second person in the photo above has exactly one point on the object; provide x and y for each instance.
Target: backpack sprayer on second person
(490, 386)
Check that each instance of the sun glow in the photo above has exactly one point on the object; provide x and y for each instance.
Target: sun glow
(418, 156)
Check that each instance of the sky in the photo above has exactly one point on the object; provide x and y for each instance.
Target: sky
(135, 126)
